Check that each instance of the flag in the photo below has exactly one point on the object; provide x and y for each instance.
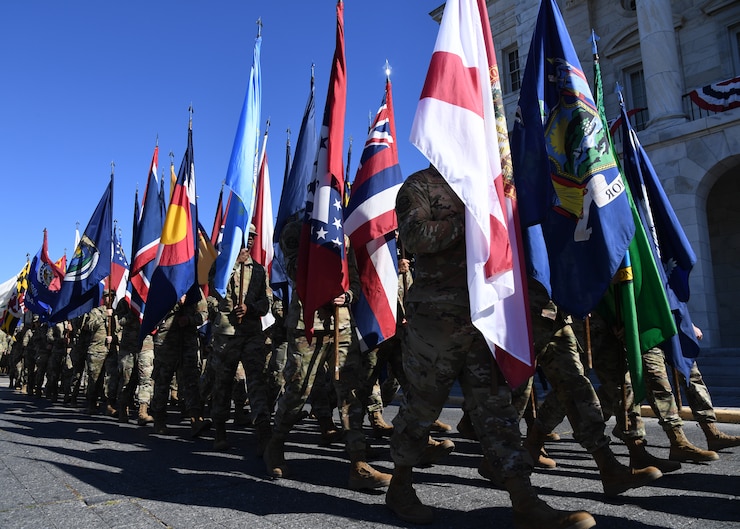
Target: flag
(218, 222)
(15, 307)
(207, 254)
(146, 238)
(669, 245)
(322, 261)
(44, 282)
(119, 271)
(370, 222)
(455, 127)
(566, 176)
(7, 289)
(638, 301)
(262, 250)
(240, 175)
(295, 189)
(91, 263)
(175, 272)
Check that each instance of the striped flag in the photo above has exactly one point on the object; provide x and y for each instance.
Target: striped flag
(370, 222)
(119, 271)
(263, 251)
(14, 307)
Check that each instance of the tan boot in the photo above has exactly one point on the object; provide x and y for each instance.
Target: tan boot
(401, 498)
(144, 417)
(380, 427)
(440, 427)
(435, 451)
(274, 457)
(363, 476)
(683, 450)
(465, 427)
(641, 458)
(616, 477)
(530, 512)
(717, 440)
(329, 432)
(535, 445)
(220, 444)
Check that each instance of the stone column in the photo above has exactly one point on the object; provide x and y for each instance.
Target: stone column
(660, 62)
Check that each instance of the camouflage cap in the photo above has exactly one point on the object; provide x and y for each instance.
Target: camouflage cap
(252, 229)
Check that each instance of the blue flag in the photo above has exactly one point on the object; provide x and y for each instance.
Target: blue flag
(44, 282)
(566, 176)
(175, 274)
(668, 242)
(82, 286)
(295, 190)
(241, 174)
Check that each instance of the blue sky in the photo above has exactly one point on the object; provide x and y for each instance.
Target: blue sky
(86, 83)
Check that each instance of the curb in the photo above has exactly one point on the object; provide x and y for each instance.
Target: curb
(728, 415)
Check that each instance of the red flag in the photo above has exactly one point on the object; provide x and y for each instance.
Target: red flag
(263, 251)
(457, 128)
(218, 221)
(322, 261)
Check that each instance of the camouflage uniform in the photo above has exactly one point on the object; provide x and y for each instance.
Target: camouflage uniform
(100, 324)
(441, 344)
(306, 359)
(29, 354)
(59, 341)
(145, 368)
(42, 347)
(17, 370)
(235, 341)
(559, 356)
(128, 355)
(80, 342)
(176, 346)
(277, 338)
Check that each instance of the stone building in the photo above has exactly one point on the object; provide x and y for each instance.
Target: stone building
(660, 51)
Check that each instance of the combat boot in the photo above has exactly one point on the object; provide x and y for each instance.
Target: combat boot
(401, 498)
(683, 450)
(220, 444)
(198, 425)
(435, 451)
(440, 427)
(241, 417)
(717, 440)
(122, 413)
(380, 427)
(535, 445)
(264, 433)
(144, 417)
(465, 427)
(530, 512)
(641, 458)
(362, 475)
(160, 426)
(616, 477)
(274, 457)
(486, 470)
(329, 432)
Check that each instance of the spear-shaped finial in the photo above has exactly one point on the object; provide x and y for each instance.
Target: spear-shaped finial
(387, 69)
(190, 116)
(594, 40)
(112, 167)
(172, 161)
(618, 90)
(259, 27)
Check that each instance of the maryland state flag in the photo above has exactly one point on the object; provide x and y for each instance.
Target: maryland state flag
(14, 309)
(176, 270)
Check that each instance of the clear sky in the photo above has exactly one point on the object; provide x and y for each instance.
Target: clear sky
(85, 83)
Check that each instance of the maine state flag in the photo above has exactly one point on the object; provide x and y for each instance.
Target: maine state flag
(566, 176)
(91, 263)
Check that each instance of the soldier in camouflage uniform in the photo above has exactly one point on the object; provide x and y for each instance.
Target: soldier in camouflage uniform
(29, 352)
(176, 346)
(41, 344)
(101, 326)
(17, 370)
(305, 359)
(80, 341)
(145, 385)
(441, 345)
(237, 335)
(559, 355)
(58, 335)
(128, 355)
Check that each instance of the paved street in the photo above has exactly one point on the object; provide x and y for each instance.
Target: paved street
(62, 469)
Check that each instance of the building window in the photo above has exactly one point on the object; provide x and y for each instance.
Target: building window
(512, 74)
(636, 97)
(735, 44)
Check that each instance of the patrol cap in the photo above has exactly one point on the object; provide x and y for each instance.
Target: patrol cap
(252, 229)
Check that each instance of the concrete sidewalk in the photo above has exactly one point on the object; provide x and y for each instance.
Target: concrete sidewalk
(60, 469)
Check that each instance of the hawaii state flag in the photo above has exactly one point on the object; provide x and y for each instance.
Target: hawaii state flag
(566, 176)
(44, 282)
(146, 238)
(370, 222)
(455, 127)
(322, 261)
(90, 265)
(175, 272)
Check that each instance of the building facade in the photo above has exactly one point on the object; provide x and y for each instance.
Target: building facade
(660, 51)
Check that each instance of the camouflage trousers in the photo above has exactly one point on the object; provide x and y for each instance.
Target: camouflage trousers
(97, 364)
(54, 370)
(29, 368)
(698, 396)
(305, 361)
(145, 367)
(72, 378)
(227, 352)
(572, 392)
(183, 361)
(15, 369)
(42, 364)
(441, 346)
